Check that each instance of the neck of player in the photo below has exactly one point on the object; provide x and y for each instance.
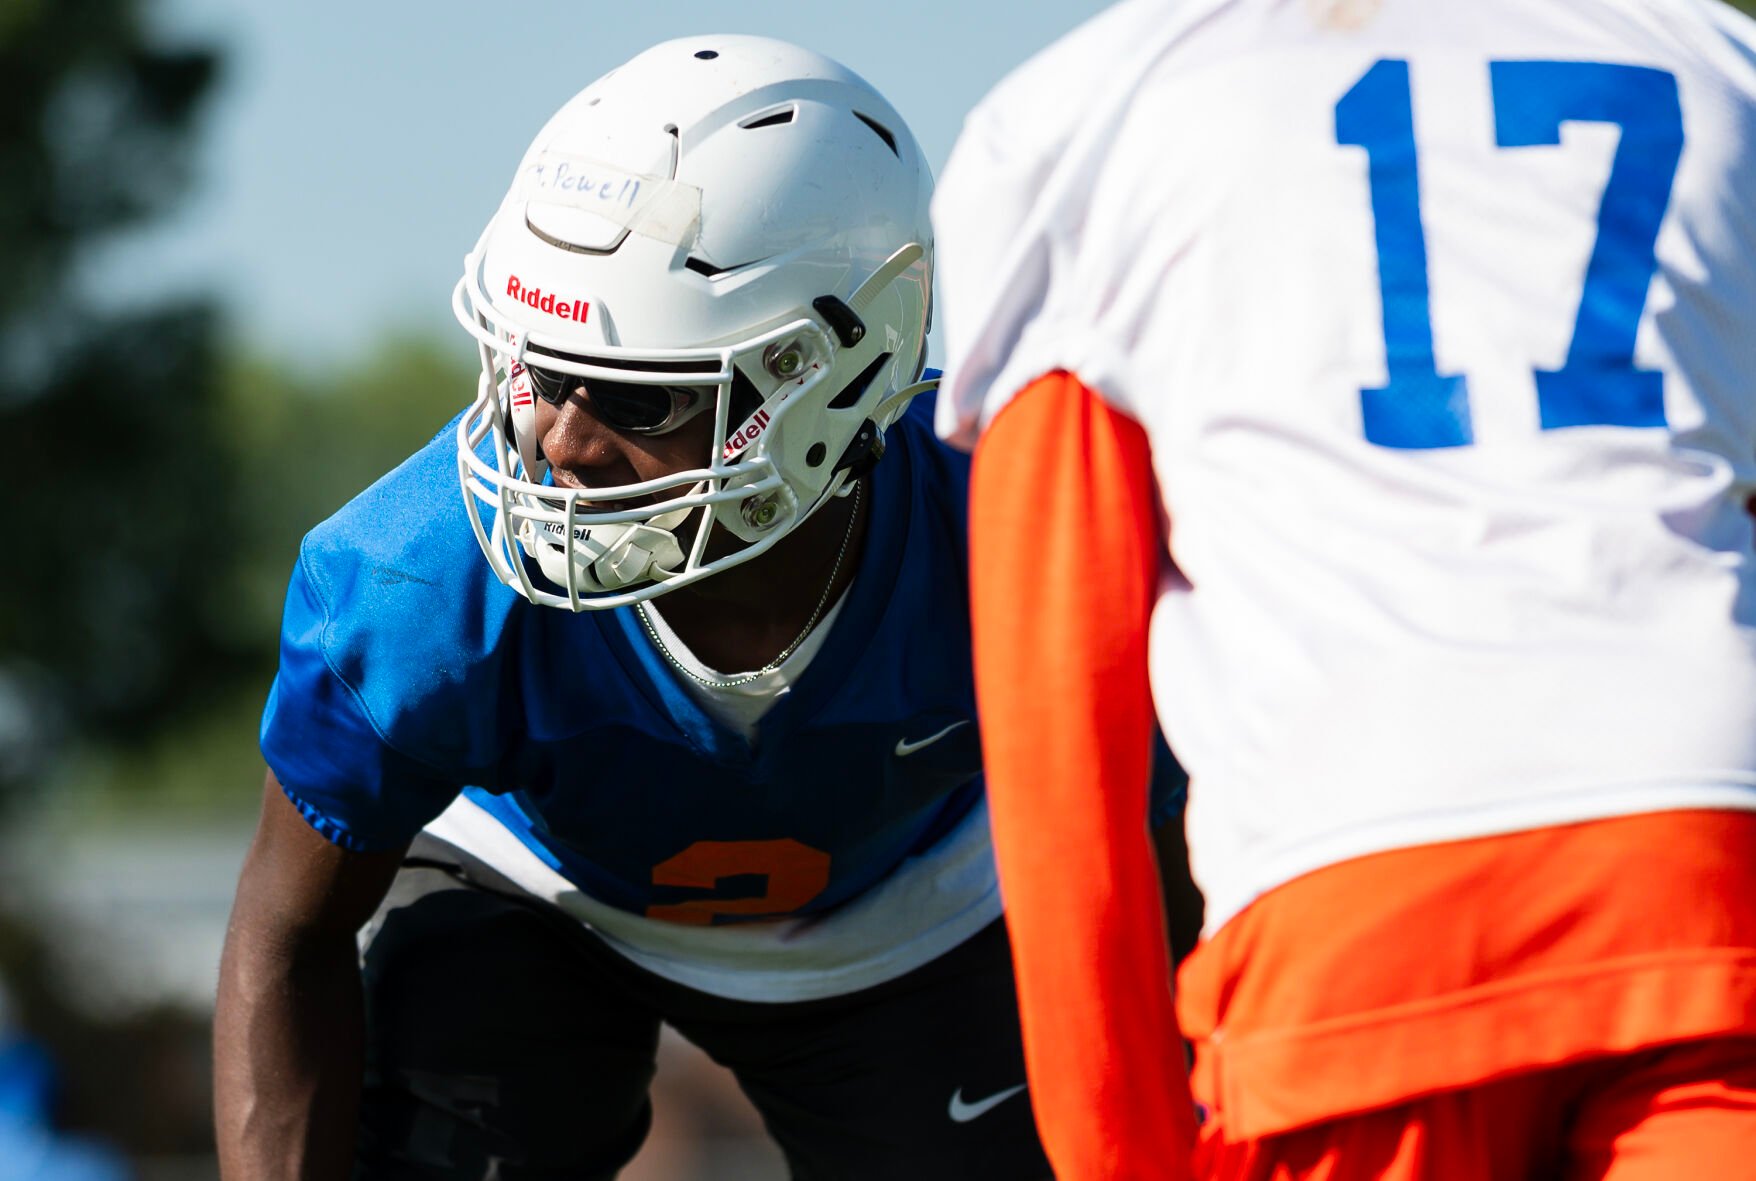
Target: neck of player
(744, 617)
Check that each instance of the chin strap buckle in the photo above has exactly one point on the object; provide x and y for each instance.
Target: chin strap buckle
(863, 451)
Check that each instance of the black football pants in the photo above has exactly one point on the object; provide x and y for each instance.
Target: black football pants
(508, 1043)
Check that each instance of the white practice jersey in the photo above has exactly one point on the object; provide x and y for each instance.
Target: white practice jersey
(1441, 320)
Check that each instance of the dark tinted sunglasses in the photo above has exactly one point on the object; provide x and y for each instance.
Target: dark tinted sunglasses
(635, 408)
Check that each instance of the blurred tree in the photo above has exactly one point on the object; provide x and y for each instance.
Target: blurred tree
(120, 507)
(312, 440)
(305, 440)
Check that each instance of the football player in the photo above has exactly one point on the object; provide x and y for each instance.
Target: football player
(1395, 360)
(696, 743)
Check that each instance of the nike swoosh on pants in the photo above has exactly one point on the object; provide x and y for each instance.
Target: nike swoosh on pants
(962, 1112)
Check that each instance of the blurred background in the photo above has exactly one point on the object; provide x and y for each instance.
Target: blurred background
(228, 235)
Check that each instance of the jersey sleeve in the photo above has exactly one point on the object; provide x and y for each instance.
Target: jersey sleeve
(1064, 569)
(329, 754)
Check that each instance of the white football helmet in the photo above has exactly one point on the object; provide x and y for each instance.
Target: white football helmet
(724, 223)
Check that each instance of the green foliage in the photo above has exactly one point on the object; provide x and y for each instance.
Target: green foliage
(304, 443)
(107, 431)
(93, 137)
(311, 441)
(159, 489)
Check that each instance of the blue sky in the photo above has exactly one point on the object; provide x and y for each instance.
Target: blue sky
(353, 151)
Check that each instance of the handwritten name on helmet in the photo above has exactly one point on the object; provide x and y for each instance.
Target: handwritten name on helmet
(546, 301)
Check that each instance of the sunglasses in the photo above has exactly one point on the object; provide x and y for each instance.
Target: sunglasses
(634, 408)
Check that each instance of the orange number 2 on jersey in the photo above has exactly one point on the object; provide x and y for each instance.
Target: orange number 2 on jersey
(796, 874)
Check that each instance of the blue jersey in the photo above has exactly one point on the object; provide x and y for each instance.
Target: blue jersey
(409, 673)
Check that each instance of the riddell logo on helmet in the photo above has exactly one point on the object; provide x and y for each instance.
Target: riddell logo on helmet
(747, 434)
(545, 301)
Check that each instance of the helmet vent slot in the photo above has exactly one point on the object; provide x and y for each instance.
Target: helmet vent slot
(884, 133)
(770, 118)
(852, 391)
(702, 267)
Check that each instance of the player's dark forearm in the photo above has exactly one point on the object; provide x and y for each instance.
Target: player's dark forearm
(288, 1050)
(289, 1028)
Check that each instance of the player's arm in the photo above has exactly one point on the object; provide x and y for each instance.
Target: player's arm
(1064, 548)
(289, 1028)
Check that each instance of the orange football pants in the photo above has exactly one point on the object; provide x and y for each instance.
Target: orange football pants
(1675, 1113)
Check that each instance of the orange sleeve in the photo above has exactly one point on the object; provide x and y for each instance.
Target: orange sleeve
(1064, 557)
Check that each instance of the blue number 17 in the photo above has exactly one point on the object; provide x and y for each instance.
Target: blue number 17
(1419, 407)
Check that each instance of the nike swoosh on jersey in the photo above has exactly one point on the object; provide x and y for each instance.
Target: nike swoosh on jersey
(962, 1113)
(905, 748)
